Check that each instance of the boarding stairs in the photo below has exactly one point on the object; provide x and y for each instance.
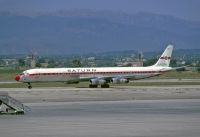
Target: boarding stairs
(9, 105)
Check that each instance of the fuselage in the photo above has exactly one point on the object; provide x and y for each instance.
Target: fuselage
(81, 74)
(99, 75)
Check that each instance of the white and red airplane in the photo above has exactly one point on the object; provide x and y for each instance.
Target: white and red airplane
(99, 75)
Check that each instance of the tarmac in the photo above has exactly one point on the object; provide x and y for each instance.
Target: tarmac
(114, 112)
(72, 94)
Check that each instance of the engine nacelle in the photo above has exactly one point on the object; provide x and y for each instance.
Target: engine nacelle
(102, 82)
(119, 80)
(94, 81)
(97, 81)
(123, 80)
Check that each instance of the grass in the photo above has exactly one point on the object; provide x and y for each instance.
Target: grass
(180, 75)
(8, 74)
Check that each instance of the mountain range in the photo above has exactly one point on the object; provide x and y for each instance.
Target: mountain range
(88, 31)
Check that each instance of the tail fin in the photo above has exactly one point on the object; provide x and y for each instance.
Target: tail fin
(165, 58)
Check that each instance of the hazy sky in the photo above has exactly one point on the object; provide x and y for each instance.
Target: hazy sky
(187, 9)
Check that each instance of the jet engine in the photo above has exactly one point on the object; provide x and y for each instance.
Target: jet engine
(97, 81)
(119, 80)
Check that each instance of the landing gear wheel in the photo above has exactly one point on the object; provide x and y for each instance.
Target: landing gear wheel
(105, 86)
(93, 86)
(29, 87)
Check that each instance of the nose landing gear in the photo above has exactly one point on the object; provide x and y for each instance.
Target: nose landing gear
(29, 86)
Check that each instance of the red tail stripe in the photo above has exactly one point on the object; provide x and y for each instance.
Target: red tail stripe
(165, 57)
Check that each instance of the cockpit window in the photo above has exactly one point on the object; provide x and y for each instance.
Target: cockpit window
(24, 73)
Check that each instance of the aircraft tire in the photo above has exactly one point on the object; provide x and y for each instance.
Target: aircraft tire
(29, 87)
(93, 86)
(105, 86)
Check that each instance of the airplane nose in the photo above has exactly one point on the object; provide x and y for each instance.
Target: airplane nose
(17, 78)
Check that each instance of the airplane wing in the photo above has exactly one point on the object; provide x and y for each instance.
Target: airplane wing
(107, 78)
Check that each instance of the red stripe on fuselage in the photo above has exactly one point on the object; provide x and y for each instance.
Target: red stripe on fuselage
(94, 73)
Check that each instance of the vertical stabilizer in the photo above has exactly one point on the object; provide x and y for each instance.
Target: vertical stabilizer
(165, 58)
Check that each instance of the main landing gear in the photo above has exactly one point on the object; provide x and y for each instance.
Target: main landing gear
(105, 86)
(102, 86)
(93, 86)
(29, 86)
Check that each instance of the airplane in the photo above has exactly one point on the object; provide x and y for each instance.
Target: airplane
(99, 75)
